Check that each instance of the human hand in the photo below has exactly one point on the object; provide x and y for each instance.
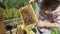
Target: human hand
(41, 23)
(31, 1)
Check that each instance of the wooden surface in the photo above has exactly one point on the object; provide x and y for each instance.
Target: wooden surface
(2, 27)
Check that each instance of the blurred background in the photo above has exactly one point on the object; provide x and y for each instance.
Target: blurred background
(11, 12)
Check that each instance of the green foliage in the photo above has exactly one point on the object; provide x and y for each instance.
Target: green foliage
(1, 4)
(11, 13)
(15, 3)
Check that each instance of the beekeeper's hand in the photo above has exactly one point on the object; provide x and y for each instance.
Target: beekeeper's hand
(46, 24)
(31, 1)
(41, 23)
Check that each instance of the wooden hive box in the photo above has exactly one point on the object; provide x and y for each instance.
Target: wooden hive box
(28, 16)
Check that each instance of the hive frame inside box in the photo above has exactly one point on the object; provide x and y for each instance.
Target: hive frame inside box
(32, 14)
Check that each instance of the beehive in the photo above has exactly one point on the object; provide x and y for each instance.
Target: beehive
(28, 16)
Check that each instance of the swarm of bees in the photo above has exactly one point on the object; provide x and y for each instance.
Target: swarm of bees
(27, 17)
